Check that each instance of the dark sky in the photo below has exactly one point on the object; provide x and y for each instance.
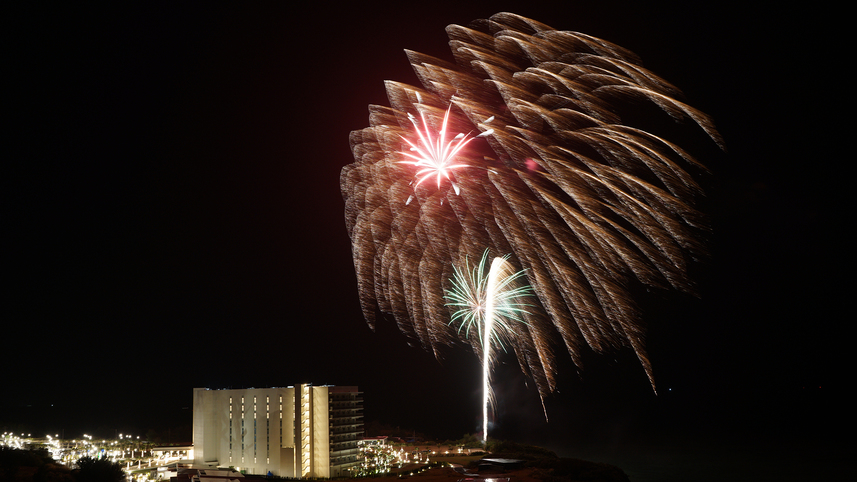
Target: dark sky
(175, 220)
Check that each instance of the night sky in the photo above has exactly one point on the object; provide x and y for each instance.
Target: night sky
(174, 220)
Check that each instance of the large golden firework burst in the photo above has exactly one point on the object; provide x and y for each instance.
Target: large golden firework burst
(553, 172)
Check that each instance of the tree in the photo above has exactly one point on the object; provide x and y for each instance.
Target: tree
(34, 465)
(98, 470)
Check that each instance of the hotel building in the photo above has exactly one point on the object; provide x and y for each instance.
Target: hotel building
(300, 431)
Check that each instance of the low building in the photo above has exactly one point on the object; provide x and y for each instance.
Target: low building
(301, 431)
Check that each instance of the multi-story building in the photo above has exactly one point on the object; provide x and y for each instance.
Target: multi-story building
(300, 431)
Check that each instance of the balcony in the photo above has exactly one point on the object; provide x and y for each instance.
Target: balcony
(350, 419)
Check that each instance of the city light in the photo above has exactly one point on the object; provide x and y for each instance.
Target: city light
(140, 459)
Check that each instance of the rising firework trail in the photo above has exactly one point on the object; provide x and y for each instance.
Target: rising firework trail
(490, 302)
(574, 175)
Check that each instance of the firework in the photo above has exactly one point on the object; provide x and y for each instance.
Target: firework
(588, 201)
(435, 157)
(489, 302)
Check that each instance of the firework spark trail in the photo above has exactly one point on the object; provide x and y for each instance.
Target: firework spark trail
(491, 302)
(586, 200)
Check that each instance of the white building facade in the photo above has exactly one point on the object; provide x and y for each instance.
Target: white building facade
(300, 431)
